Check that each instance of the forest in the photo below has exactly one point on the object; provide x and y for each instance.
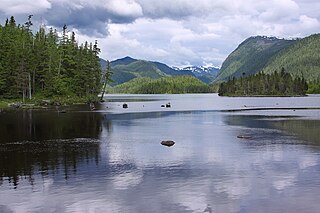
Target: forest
(169, 85)
(261, 84)
(46, 63)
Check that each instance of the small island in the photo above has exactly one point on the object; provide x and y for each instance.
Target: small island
(275, 84)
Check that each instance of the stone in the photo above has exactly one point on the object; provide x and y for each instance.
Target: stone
(167, 143)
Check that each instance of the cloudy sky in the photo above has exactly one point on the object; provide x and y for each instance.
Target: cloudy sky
(176, 32)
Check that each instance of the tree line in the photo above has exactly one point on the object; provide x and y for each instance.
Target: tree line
(46, 64)
(275, 84)
(169, 85)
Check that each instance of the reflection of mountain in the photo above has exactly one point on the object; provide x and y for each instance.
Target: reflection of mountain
(34, 142)
(307, 130)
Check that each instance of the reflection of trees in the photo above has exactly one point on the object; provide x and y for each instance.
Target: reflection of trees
(305, 129)
(250, 121)
(44, 125)
(46, 158)
(46, 143)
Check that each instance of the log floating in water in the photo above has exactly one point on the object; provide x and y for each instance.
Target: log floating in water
(244, 136)
(167, 143)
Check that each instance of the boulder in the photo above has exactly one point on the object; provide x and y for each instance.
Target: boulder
(124, 106)
(167, 143)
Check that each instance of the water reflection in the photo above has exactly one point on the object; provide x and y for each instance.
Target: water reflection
(293, 127)
(30, 125)
(46, 143)
(115, 163)
(47, 158)
(307, 130)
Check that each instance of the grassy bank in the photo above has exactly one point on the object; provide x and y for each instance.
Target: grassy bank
(42, 101)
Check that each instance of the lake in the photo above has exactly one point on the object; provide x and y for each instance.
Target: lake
(111, 159)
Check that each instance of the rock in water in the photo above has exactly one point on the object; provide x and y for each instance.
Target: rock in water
(244, 136)
(167, 143)
(125, 106)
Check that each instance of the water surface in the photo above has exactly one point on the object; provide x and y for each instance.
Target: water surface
(111, 160)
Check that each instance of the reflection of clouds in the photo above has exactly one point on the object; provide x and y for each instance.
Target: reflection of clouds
(208, 165)
(127, 180)
(94, 205)
(284, 182)
(235, 188)
(47, 183)
(308, 161)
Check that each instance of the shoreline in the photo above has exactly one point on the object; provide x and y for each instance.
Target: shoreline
(42, 103)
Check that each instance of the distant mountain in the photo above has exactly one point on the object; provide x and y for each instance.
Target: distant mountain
(300, 59)
(201, 70)
(252, 56)
(205, 74)
(103, 64)
(123, 61)
(126, 69)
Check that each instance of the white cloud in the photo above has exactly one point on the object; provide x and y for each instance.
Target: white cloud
(174, 32)
(124, 7)
(16, 7)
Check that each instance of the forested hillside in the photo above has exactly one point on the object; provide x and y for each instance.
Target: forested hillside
(171, 85)
(42, 63)
(251, 56)
(127, 68)
(300, 59)
(275, 84)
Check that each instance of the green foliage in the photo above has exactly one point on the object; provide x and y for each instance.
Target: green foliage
(127, 68)
(251, 56)
(171, 85)
(139, 68)
(41, 62)
(261, 84)
(300, 59)
(314, 87)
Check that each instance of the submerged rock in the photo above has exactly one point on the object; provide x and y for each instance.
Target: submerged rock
(244, 136)
(167, 143)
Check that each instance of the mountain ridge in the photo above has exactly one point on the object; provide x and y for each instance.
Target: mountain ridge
(127, 68)
(251, 56)
(301, 59)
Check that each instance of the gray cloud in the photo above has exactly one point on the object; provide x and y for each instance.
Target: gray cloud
(175, 32)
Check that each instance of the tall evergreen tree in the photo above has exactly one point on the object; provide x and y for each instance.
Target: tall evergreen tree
(44, 63)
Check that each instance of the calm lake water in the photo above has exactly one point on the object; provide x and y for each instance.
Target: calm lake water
(111, 160)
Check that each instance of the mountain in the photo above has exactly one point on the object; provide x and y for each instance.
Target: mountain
(201, 70)
(251, 56)
(300, 59)
(205, 74)
(123, 61)
(126, 69)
